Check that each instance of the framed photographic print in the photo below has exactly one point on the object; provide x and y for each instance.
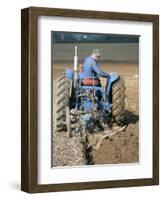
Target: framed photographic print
(90, 99)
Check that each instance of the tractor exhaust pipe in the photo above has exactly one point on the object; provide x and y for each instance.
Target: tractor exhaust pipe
(75, 63)
(76, 72)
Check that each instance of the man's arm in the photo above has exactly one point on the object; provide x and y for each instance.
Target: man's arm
(98, 71)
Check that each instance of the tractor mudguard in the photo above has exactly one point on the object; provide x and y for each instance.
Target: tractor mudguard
(109, 82)
(69, 73)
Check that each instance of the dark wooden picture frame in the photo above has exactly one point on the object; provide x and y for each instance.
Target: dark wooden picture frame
(29, 87)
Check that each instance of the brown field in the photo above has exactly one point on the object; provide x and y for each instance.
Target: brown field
(122, 147)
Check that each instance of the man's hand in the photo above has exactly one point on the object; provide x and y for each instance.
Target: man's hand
(113, 73)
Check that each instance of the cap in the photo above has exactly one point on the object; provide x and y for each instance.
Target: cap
(97, 52)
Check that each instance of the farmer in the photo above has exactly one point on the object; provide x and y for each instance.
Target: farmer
(91, 69)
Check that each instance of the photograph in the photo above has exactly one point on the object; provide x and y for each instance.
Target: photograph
(89, 99)
(95, 99)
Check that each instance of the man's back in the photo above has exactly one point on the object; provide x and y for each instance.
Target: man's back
(89, 62)
(91, 68)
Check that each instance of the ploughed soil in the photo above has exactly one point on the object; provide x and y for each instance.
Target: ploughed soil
(122, 147)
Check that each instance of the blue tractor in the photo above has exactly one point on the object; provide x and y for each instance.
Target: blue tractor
(84, 107)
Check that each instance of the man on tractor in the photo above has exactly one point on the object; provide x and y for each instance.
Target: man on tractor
(81, 95)
(91, 70)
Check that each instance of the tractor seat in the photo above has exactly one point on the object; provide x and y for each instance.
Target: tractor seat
(90, 82)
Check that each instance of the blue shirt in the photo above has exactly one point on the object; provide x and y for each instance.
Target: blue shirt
(92, 69)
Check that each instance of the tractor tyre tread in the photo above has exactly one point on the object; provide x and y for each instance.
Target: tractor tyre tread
(62, 100)
(118, 100)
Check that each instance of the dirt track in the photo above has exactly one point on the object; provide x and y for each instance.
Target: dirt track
(124, 146)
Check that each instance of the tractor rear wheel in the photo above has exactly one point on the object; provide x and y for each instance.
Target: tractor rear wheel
(118, 100)
(62, 101)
